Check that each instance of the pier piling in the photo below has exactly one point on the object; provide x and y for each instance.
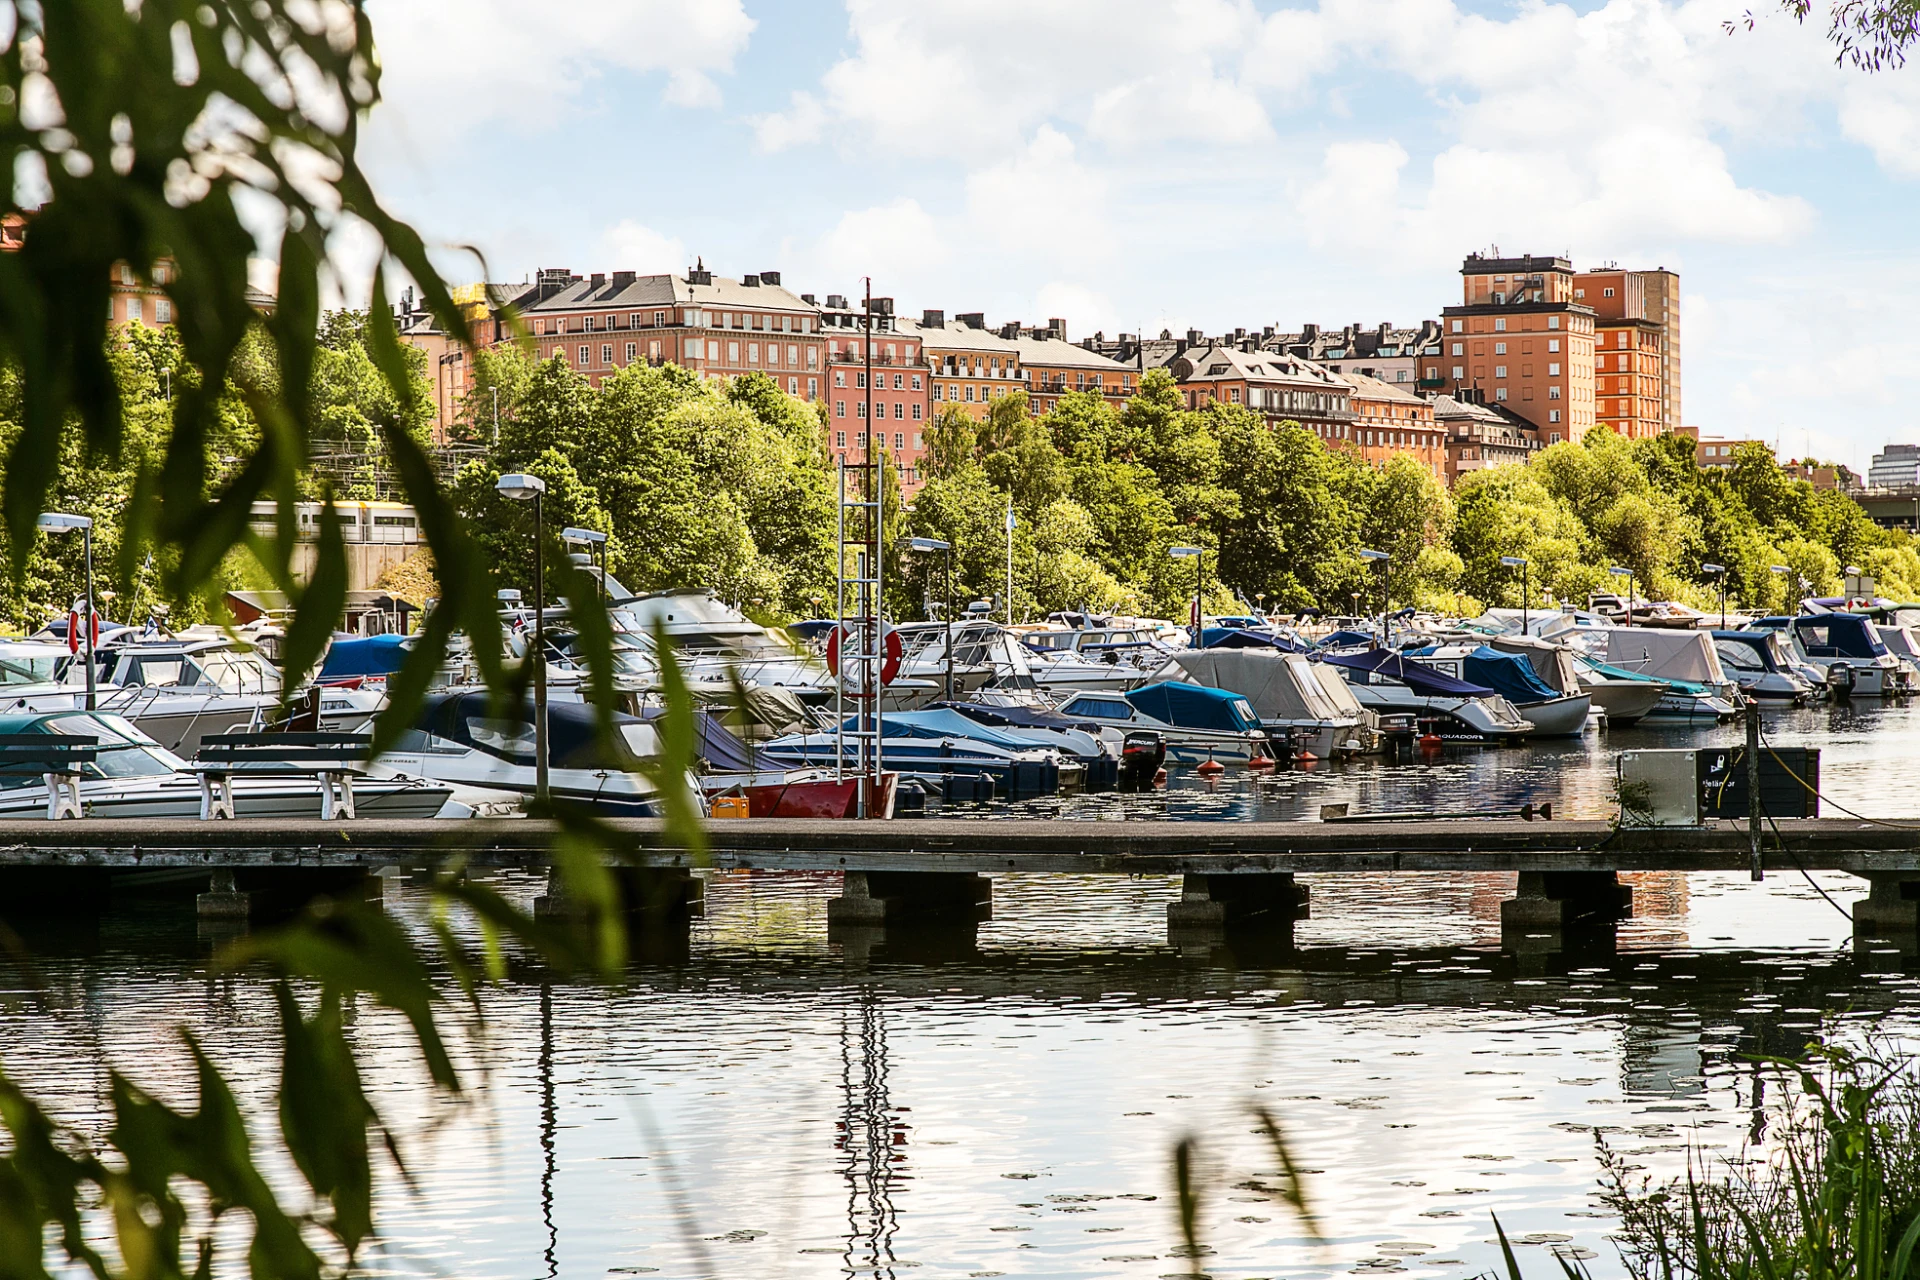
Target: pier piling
(1559, 899)
(1891, 907)
(884, 897)
(1269, 900)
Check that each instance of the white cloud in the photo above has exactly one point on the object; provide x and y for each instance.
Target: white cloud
(1041, 202)
(896, 244)
(1883, 114)
(462, 64)
(800, 123)
(629, 246)
(1084, 310)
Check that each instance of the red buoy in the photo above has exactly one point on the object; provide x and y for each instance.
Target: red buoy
(1160, 778)
(1260, 764)
(1211, 768)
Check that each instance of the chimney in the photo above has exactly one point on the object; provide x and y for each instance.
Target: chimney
(972, 319)
(621, 279)
(1308, 332)
(1058, 328)
(1239, 335)
(750, 282)
(770, 277)
(836, 302)
(881, 306)
(1386, 328)
(933, 319)
(1195, 338)
(597, 282)
(700, 274)
(1166, 335)
(1010, 330)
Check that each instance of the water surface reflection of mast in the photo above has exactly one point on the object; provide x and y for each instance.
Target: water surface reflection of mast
(868, 1134)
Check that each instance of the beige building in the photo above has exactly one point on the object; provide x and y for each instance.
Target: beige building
(1052, 367)
(1389, 420)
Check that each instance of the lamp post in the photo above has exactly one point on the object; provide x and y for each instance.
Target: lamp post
(1520, 563)
(1199, 563)
(166, 381)
(946, 606)
(1783, 571)
(521, 488)
(1856, 583)
(1619, 572)
(1719, 572)
(1384, 560)
(596, 544)
(60, 522)
(496, 413)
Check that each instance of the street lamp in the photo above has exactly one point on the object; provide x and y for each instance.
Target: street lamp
(596, 544)
(520, 488)
(1619, 572)
(1199, 562)
(1856, 582)
(166, 381)
(59, 522)
(1384, 560)
(946, 607)
(1520, 563)
(1719, 571)
(1784, 571)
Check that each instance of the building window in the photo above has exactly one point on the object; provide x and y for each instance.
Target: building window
(1499, 348)
(860, 411)
(1459, 372)
(659, 318)
(839, 439)
(813, 387)
(898, 382)
(133, 311)
(753, 353)
(839, 378)
(860, 380)
(1499, 324)
(1553, 415)
(1500, 393)
(1606, 293)
(1236, 395)
(633, 349)
(1553, 344)
(793, 386)
(1556, 437)
(586, 324)
(613, 322)
(585, 358)
(1459, 348)
(916, 382)
(969, 392)
(1499, 371)
(653, 350)
(162, 311)
(793, 355)
(937, 389)
(840, 411)
(733, 353)
(696, 348)
(606, 353)
(1457, 325)
(1401, 376)
(1553, 369)
(1553, 393)
(1553, 322)
(899, 439)
(916, 416)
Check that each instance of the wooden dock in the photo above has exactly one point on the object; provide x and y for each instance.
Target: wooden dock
(1232, 870)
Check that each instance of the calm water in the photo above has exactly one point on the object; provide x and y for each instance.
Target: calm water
(1004, 1101)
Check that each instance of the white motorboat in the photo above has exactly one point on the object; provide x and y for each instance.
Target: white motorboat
(1393, 685)
(1555, 704)
(1762, 664)
(460, 739)
(135, 777)
(1197, 723)
(1287, 693)
(1848, 651)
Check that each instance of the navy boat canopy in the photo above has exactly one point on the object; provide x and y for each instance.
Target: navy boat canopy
(1838, 635)
(1508, 674)
(719, 746)
(1246, 638)
(1194, 706)
(1346, 640)
(1419, 677)
(1016, 717)
(573, 731)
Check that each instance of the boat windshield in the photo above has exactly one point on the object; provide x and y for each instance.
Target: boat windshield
(125, 752)
(31, 667)
(239, 672)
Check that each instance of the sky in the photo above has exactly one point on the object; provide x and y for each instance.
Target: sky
(1139, 165)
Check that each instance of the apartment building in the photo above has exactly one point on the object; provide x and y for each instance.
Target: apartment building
(1637, 316)
(969, 364)
(1052, 367)
(1390, 420)
(1387, 352)
(1479, 437)
(883, 373)
(1520, 341)
(1277, 386)
(714, 326)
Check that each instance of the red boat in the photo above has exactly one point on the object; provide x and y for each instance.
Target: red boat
(799, 793)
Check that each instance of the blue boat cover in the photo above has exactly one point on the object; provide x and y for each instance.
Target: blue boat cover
(1838, 635)
(719, 746)
(945, 724)
(1417, 676)
(373, 656)
(573, 729)
(1016, 717)
(1507, 674)
(1346, 640)
(1195, 706)
(1244, 638)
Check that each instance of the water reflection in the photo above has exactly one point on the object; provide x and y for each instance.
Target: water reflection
(869, 1134)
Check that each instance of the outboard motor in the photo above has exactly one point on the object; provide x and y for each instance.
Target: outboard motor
(1141, 755)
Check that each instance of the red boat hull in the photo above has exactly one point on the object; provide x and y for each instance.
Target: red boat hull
(814, 798)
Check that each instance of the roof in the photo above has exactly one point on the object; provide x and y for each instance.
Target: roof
(1055, 353)
(615, 292)
(1217, 361)
(957, 337)
(1366, 387)
(1447, 409)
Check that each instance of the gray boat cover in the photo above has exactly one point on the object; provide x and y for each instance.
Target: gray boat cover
(1281, 686)
(1665, 655)
(1551, 662)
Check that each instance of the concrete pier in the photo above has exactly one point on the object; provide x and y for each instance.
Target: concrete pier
(871, 898)
(1566, 899)
(1891, 908)
(1271, 901)
(223, 900)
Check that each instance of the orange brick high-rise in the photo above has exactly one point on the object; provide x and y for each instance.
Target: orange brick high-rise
(1520, 340)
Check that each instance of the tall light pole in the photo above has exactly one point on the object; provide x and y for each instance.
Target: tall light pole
(1620, 572)
(1784, 572)
(60, 522)
(166, 384)
(1385, 561)
(1520, 563)
(1719, 572)
(946, 608)
(1199, 564)
(596, 544)
(521, 488)
(496, 413)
